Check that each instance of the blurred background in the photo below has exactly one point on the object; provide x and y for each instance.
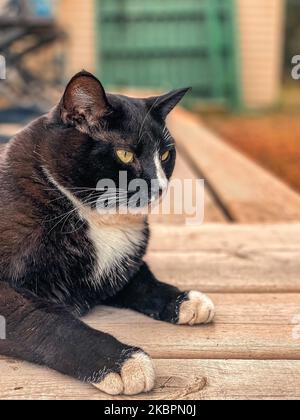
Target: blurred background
(236, 54)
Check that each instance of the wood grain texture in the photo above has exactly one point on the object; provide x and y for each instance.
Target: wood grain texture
(228, 258)
(232, 309)
(254, 271)
(177, 380)
(246, 327)
(230, 237)
(249, 193)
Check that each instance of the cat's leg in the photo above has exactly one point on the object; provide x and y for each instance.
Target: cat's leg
(163, 302)
(47, 335)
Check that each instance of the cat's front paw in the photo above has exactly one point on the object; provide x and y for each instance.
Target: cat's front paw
(136, 376)
(196, 308)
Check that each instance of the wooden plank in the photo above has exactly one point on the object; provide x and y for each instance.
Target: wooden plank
(231, 238)
(240, 272)
(246, 327)
(177, 380)
(266, 309)
(232, 309)
(248, 192)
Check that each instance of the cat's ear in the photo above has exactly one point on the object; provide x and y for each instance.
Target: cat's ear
(166, 103)
(84, 102)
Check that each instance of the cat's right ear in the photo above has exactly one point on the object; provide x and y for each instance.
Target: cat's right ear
(84, 103)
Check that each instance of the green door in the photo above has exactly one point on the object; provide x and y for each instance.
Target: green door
(169, 44)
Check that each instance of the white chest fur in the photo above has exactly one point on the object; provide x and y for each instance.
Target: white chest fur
(114, 243)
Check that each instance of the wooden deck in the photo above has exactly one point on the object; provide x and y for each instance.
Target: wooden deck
(246, 257)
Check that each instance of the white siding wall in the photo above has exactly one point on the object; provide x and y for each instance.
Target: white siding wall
(261, 34)
(77, 18)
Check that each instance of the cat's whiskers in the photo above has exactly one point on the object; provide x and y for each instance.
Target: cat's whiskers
(63, 197)
(165, 131)
(76, 189)
(62, 217)
(120, 202)
(94, 191)
(120, 198)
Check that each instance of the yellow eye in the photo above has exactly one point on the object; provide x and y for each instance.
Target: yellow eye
(165, 156)
(125, 156)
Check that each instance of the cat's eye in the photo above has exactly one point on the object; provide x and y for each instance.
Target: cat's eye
(125, 156)
(165, 156)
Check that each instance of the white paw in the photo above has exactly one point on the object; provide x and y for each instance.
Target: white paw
(198, 309)
(137, 376)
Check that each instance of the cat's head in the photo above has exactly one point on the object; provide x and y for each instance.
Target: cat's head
(109, 134)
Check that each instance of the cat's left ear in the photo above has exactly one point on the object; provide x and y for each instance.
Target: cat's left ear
(84, 103)
(166, 103)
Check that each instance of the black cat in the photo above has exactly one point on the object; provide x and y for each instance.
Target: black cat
(60, 256)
